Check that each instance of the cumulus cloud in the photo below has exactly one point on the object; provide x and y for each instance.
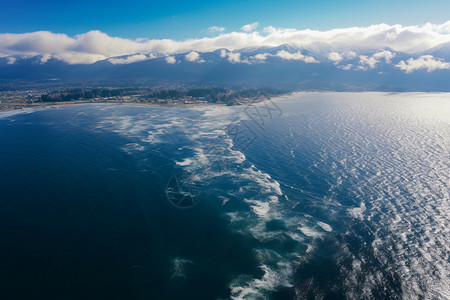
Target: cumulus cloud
(349, 54)
(232, 57)
(338, 57)
(129, 59)
(367, 62)
(261, 56)
(171, 60)
(296, 56)
(95, 45)
(386, 55)
(74, 57)
(45, 58)
(10, 60)
(334, 56)
(216, 29)
(427, 62)
(192, 56)
(346, 67)
(250, 27)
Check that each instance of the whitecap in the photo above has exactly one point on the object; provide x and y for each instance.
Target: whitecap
(325, 226)
(185, 162)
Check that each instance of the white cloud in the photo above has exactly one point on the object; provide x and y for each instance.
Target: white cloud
(367, 62)
(171, 60)
(296, 56)
(10, 60)
(346, 67)
(216, 29)
(334, 56)
(232, 57)
(262, 56)
(269, 29)
(45, 58)
(387, 55)
(427, 62)
(129, 59)
(250, 27)
(192, 56)
(349, 54)
(95, 45)
(338, 57)
(72, 57)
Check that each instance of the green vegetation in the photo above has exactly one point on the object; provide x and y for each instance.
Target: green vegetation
(84, 94)
(173, 96)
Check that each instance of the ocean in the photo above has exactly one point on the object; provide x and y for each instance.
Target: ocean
(307, 196)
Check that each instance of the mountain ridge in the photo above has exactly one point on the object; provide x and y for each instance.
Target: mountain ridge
(287, 66)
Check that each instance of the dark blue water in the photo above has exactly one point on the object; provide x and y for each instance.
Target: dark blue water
(314, 196)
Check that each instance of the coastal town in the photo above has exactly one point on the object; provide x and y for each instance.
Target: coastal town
(36, 98)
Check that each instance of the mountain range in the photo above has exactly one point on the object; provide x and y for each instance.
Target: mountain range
(316, 67)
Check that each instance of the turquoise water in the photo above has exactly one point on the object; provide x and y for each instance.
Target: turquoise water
(311, 196)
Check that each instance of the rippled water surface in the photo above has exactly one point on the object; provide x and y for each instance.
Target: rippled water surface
(311, 196)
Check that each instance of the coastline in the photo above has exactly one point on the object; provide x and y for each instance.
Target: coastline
(9, 107)
(18, 106)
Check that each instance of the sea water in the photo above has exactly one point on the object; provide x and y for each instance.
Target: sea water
(309, 196)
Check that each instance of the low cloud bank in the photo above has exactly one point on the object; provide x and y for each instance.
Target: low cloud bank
(344, 43)
(427, 62)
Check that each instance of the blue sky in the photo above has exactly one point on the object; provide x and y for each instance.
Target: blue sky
(190, 19)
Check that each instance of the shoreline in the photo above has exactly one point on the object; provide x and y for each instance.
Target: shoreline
(9, 107)
(17, 107)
